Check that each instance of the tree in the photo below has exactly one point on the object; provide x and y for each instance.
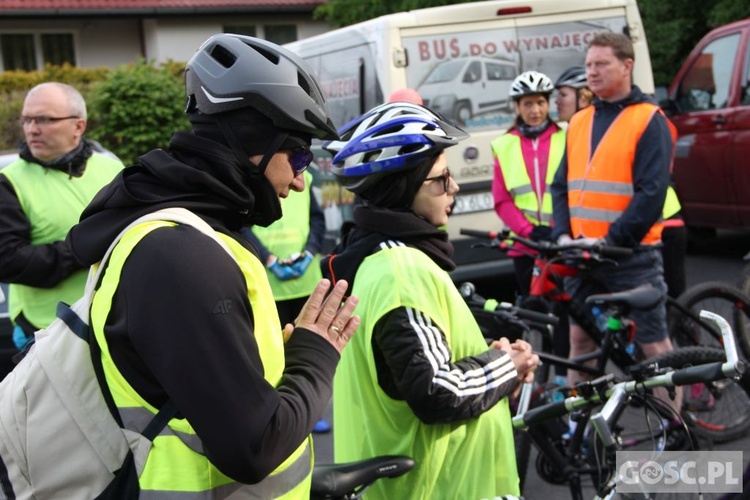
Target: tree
(138, 107)
(673, 27)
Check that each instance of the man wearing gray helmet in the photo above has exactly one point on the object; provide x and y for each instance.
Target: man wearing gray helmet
(184, 326)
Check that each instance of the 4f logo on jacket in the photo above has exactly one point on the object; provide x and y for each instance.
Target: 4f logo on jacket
(222, 307)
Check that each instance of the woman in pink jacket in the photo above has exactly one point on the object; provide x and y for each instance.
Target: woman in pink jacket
(526, 158)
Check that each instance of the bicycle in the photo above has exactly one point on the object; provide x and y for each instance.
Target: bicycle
(349, 481)
(717, 412)
(611, 399)
(612, 347)
(742, 320)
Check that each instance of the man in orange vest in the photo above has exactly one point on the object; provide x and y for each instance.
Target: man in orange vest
(611, 186)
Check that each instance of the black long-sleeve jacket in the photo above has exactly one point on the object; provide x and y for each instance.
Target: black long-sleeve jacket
(163, 329)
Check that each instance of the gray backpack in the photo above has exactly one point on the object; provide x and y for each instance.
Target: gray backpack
(58, 436)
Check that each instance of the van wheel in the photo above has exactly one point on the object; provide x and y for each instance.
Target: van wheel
(462, 112)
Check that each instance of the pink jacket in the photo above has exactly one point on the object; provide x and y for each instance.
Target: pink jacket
(507, 211)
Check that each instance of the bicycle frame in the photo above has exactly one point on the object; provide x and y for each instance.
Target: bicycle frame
(614, 396)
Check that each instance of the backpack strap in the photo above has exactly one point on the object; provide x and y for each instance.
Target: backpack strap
(83, 330)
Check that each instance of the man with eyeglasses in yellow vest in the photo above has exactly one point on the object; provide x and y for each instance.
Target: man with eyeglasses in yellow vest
(42, 195)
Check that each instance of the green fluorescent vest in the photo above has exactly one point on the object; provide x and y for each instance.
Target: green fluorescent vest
(176, 463)
(451, 458)
(507, 149)
(53, 202)
(671, 204)
(288, 235)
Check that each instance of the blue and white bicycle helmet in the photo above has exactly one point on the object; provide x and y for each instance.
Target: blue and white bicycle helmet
(390, 138)
(529, 83)
(574, 77)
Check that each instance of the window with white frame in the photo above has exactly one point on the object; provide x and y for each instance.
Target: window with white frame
(276, 33)
(31, 51)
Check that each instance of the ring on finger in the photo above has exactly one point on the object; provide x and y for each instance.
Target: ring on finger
(336, 329)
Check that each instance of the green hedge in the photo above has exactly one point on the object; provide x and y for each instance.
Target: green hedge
(132, 109)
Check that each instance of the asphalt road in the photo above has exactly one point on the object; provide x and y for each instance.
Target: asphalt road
(719, 259)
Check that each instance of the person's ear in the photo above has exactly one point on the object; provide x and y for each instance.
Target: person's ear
(628, 63)
(80, 126)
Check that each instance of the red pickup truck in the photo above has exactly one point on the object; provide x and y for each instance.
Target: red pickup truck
(709, 103)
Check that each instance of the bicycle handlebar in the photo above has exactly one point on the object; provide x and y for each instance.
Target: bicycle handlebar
(733, 367)
(493, 306)
(548, 247)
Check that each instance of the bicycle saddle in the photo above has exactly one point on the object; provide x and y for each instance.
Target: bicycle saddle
(642, 297)
(340, 479)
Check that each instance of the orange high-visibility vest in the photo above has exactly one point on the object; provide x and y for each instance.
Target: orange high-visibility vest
(600, 186)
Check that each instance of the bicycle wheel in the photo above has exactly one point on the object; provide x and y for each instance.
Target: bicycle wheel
(718, 411)
(742, 320)
(686, 328)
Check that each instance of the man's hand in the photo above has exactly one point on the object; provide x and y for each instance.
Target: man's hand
(327, 316)
(590, 242)
(283, 271)
(300, 265)
(564, 239)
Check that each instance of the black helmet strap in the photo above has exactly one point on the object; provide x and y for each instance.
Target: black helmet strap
(267, 207)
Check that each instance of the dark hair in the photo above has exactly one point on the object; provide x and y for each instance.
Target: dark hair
(621, 44)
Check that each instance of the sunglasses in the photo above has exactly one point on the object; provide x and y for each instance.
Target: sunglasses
(300, 158)
(445, 179)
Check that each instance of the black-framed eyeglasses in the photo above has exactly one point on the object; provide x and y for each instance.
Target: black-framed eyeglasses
(300, 158)
(43, 120)
(444, 178)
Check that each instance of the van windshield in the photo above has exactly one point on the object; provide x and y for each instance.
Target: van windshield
(444, 72)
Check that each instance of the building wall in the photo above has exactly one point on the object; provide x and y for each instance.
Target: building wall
(98, 42)
(110, 42)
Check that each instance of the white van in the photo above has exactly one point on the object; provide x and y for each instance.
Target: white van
(464, 87)
(462, 59)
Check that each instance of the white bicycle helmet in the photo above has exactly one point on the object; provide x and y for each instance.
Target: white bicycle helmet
(530, 82)
(574, 77)
(389, 138)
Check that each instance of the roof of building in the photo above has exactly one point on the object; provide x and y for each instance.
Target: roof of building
(55, 8)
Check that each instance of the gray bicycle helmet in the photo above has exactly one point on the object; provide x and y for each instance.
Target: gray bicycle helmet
(231, 72)
(574, 77)
(390, 138)
(529, 83)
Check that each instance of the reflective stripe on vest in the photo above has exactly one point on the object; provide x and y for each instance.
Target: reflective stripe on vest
(507, 149)
(600, 185)
(176, 466)
(287, 236)
(52, 201)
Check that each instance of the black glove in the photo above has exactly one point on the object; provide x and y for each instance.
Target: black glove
(541, 233)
